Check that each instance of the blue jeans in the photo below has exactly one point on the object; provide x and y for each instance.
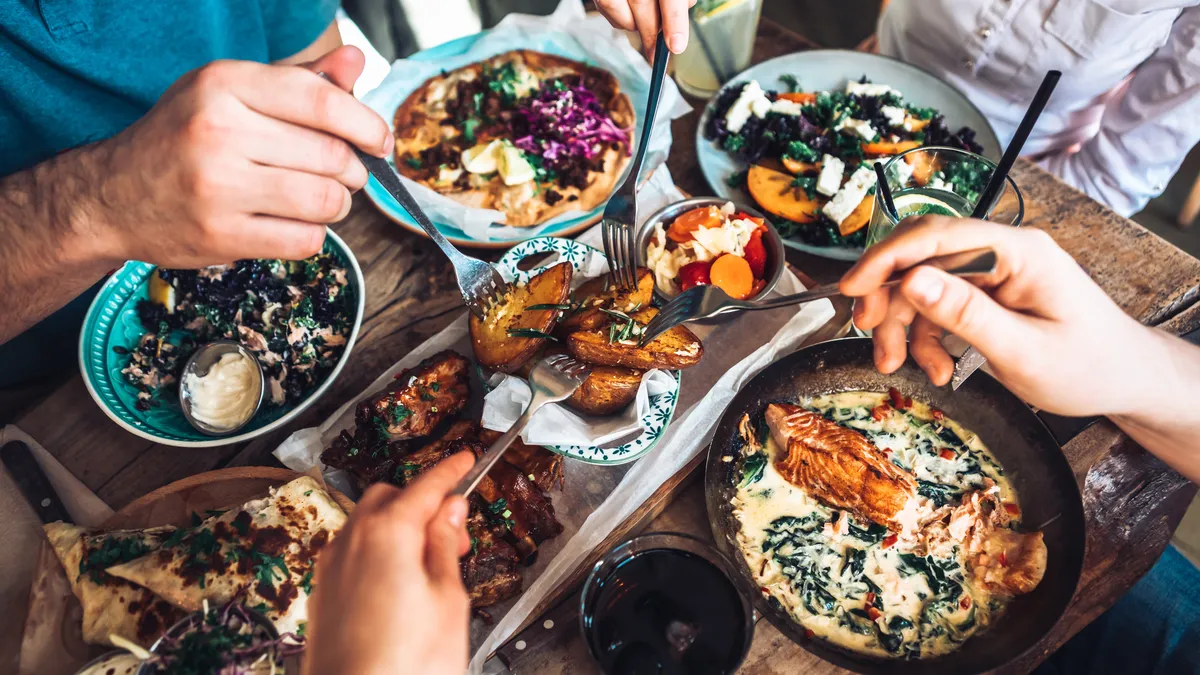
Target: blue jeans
(1155, 628)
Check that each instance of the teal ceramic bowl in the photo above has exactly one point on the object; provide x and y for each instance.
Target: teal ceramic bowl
(112, 321)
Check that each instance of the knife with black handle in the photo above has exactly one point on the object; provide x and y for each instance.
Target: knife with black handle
(32, 481)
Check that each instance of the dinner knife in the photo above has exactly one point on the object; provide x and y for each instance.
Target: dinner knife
(965, 366)
(33, 482)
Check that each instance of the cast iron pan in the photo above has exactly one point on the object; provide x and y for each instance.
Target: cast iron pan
(1031, 458)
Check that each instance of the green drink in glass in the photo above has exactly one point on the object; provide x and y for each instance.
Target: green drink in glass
(941, 181)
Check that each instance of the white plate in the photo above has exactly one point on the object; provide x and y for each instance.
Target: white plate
(830, 69)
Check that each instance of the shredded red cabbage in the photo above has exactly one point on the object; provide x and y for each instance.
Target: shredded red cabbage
(565, 122)
(226, 641)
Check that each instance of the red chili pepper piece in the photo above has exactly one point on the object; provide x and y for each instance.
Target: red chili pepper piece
(1003, 558)
(694, 274)
(1012, 509)
(755, 254)
(895, 398)
(808, 633)
(873, 613)
(965, 603)
(879, 412)
(938, 414)
(947, 453)
(890, 540)
(870, 597)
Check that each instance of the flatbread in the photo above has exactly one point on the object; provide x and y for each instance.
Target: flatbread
(261, 554)
(425, 120)
(112, 606)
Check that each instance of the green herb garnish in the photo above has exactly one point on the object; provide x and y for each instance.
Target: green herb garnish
(529, 333)
(800, 151)
(792, 83)
(413, 162)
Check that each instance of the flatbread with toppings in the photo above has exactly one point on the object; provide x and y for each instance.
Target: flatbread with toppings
(262, 552)
(529, 134)
(112, 606)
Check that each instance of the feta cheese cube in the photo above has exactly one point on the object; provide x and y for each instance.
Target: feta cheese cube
(785, 107)
(830, 179)
(860, 128)
(903, 172)
(869, 89)
(895, 115)
(752, 101)
(851, 195)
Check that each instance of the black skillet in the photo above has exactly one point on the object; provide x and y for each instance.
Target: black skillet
(1031, 458)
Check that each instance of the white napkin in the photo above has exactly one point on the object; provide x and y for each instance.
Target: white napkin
(557, 424)
(568, 32)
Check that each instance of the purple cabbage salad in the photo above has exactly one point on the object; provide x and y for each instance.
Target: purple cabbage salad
(566, 130)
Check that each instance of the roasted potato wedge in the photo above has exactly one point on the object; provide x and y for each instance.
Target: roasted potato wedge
(601, 293)
(607, 390)
(675, 349)
(507, 336)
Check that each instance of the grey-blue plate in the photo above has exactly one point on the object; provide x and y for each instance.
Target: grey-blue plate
(829, 69)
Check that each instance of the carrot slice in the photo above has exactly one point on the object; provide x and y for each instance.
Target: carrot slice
(801, 97)
(799, 168)
(706, 216)
(732, 274)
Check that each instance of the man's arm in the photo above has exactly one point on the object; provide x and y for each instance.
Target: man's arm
(328, 41)
(52, 250)
(1146, 132)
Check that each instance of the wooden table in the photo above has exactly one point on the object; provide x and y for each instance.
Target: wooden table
(1133, 502)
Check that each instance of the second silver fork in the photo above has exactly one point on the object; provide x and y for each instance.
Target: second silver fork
(702, 302)
(552, 379)
(620, 215)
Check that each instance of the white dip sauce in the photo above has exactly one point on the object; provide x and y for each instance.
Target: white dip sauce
(228, 394)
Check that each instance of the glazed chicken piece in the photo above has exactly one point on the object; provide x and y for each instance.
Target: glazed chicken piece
(365, 456)
(538, 464)
(490, 569)
(421, 460)
(839, 466)
(509, 494)
(420, 399)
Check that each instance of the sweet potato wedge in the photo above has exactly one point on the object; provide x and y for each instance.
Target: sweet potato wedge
(509, 334)
(676, 349)
(607, 390)
(601, 293)
(798, 168)
(858, 218)
(775, 193)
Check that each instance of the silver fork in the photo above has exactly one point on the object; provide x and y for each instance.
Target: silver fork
(552, 379)
(478, 282)
(620, 215)
(707, 301)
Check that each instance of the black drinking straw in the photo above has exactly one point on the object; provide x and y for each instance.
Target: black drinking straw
(996, 184)
(885, 192)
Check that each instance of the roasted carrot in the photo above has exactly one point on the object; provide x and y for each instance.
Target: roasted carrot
(732, 274)
(801, 97)
(688, 222)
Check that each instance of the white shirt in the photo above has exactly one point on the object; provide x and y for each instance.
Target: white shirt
(1129, 98)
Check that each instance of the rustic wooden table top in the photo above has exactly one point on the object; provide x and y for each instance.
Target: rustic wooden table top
(1133, 502)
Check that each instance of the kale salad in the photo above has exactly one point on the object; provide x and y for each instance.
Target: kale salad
(296, 316)
(809, 154)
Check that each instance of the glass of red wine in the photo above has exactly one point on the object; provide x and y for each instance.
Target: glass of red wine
(664, 604)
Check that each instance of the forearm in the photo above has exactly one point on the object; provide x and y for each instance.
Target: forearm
(1165, 418)
(53, 247)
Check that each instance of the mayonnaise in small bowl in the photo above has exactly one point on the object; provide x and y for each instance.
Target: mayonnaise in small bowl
(221, 388)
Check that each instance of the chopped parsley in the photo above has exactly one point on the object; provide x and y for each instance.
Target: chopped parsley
(306, 582)
(413, 162)
(400, 413)
(806, 183)
(112, 551)
(799, 150)
(734, 142)
(792, 83)
(737, 179)
(469, 127)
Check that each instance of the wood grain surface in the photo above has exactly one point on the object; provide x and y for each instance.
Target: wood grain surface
(1133, 502)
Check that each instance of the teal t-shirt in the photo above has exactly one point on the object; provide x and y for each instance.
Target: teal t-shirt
(77, 71)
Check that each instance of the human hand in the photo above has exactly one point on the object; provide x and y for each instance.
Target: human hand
(237, 160)
(388, 596)
(642, 16)
(1051, 335)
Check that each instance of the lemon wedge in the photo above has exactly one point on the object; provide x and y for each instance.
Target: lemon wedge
(483, 158)
(915, 204)
(161, 292)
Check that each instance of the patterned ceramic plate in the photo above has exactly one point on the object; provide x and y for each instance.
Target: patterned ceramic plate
(112, 321)
(586, 260)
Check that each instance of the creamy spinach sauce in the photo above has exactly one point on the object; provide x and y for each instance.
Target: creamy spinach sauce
(844, 579)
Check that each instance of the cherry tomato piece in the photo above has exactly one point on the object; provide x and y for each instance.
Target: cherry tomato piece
(694, 274)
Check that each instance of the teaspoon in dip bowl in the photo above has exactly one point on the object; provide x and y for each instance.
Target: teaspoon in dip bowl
(246, 395)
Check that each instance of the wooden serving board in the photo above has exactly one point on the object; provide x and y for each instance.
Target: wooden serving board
(53, 642)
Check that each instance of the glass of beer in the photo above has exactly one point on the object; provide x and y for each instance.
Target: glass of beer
(720, 45)
(942, 181)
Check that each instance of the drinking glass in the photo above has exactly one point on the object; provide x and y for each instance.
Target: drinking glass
(720, 46)
(945, 181)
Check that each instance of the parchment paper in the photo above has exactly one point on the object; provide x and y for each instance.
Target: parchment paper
(596, 498)
(567, 32)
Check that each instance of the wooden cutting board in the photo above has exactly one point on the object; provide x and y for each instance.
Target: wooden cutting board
(53, 642)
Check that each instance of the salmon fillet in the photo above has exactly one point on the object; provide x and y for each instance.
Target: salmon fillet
(839, 466)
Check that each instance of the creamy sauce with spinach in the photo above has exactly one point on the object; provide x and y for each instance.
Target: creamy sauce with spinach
(848, 583)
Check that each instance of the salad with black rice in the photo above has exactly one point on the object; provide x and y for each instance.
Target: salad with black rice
(864, 121)
(295, 316)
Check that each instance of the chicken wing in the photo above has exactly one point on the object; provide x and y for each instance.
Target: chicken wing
(839, 466)
(420, 399)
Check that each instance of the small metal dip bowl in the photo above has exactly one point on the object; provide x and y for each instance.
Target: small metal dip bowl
(771, 241)
(201, 362)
